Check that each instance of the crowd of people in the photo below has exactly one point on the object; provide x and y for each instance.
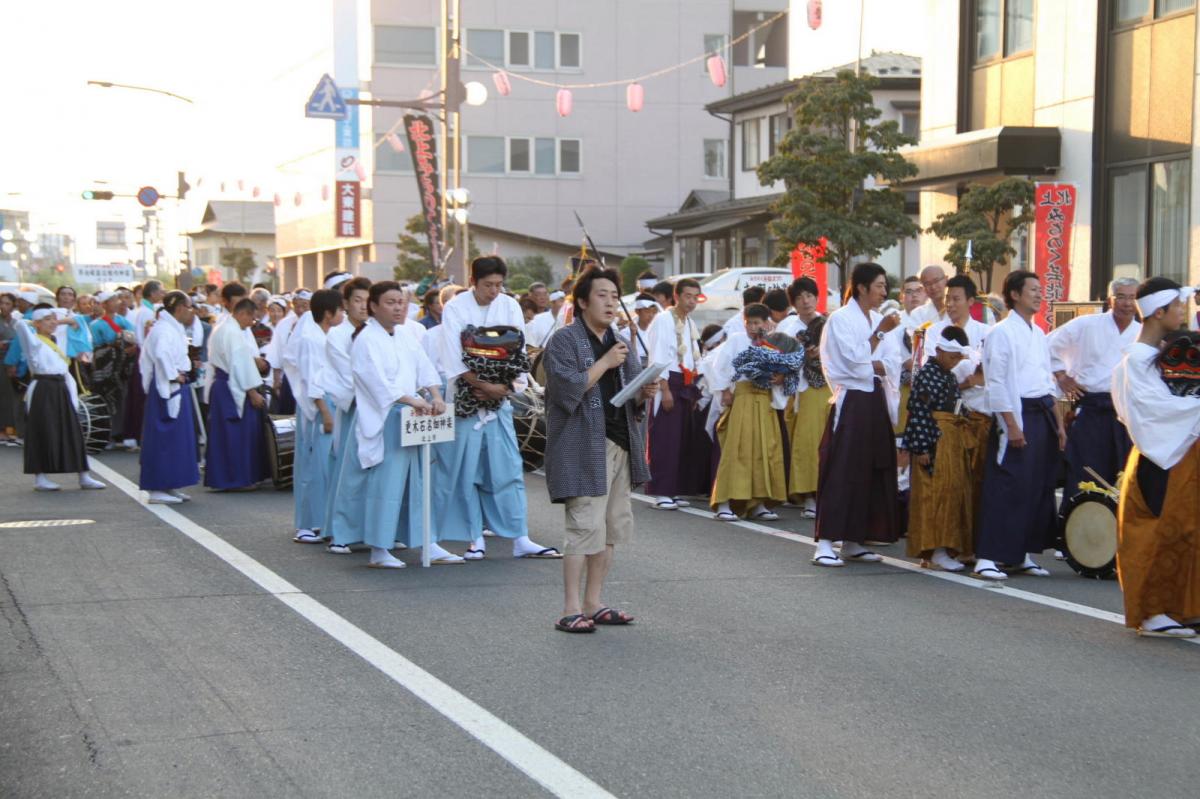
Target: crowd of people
(942, 419)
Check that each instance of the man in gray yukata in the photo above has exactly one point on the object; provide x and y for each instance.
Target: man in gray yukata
(595, 451)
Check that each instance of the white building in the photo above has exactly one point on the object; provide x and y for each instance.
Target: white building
(528, 168)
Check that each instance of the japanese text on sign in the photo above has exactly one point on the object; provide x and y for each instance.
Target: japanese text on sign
(346, 219)
(807, 262)
(416, 430)
(1054, 218)
(422, 145)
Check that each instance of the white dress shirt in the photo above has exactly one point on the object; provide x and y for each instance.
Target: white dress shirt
(1163, 426)
(1088, 348)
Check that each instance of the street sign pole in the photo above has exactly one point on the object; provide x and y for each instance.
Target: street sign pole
(424, 432)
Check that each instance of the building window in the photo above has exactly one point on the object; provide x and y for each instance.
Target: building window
(388, 160)
(519, 155)
(485, 45)
(110, 234)
(714, 44)
(910, 124)
(570, 51)
(569, 157)
(398, 44)
(1002, 22)
(543, 50)
(780, 124)
(1133, 11)
(485, 155)
(1148, 220)
(544, 156)
(714, 158)
(750, 144)
(518, 49)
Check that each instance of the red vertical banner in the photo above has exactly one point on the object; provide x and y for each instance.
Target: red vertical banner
(422, 144)
(347, 221)
(806, 262)
(1054, 221)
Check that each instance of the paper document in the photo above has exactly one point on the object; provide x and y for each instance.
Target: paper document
(649, 374)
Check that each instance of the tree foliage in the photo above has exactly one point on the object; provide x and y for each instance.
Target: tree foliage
(824, 176)
(413, 262)
(631, 267)
(534, 267)
(988, 216)
(241, 261)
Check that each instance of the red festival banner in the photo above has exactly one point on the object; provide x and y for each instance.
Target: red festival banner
(348, 223)
(806, 262)
(1054, 221)
(423, 146)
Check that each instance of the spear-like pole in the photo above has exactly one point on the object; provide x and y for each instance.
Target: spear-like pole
(632, 319)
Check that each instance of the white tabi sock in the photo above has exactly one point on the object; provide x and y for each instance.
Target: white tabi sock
(87, 481)
(436, 552)
(724, 508)
(852, 548)
(481, 546)
(942, 560)
(44, 483)
(381, 557)
(825, 549)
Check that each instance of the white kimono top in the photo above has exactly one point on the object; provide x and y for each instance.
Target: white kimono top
(42, 360)
(386, 368)
(279, 337)
(462, 311)
(974, 398)
(1088, 348)
(664, 344)
(538, 331)
(308, 344)
(164, 356)
(1162, 426)
(229, 351)
(338, 379)
(847, 359)
(1016, 365)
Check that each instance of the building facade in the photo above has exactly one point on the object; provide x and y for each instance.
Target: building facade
(1097, 94)
(226, 226)
(528, 168)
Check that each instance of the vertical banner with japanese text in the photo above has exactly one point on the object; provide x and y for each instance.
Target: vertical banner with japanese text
(346, 214)
(1053, 223)
(423, 146)
(806, 262)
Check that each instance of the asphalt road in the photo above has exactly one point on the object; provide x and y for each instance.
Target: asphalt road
(137, 662)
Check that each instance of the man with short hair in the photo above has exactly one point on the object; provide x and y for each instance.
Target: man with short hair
(680, 450)
(432, 304)
(1017, 516)
(807, 413)
(594, 450)
(1083, 354)
(234, 456)
(1158, 523)
(912, 297)
(778, 307)
(736, 322)
(933, 281)
(664, 294)
(540, 296)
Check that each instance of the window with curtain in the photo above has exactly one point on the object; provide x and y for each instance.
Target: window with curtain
(1018, 26)
(543, 50)
(780, 125)
(1170, 183)
(714, 158)
(987, 29)
(750, 144)
(544, 156)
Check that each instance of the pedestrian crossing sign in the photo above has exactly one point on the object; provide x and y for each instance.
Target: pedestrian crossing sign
(326, 101)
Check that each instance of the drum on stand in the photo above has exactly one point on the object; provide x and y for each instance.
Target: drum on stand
(529, 421)
(1087, 530)
(281, 448)
(95, 422)
(537, 370)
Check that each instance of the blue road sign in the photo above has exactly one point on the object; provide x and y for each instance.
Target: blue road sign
(326, 101)
(148, 196)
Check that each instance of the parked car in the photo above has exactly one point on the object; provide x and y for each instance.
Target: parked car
(44, 294)
(722, 290)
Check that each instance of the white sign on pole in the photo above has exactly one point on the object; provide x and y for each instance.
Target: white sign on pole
(103, 273)
(424, 431)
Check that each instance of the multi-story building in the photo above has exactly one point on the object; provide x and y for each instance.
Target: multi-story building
(1097, 94)
(528, 168)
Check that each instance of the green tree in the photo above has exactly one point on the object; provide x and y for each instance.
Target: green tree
(413, 263)
(631, 267)
(519, 282)
(823, 175)
(241, 261)
(535, 267)
(988, 217)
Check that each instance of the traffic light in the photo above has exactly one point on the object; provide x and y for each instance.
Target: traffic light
(182, 186)
(93, 194)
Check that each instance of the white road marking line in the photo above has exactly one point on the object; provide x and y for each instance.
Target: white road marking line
(958, 579)
(537, 763)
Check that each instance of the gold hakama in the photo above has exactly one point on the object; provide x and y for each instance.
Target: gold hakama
(942, 506)
(1158, 557)
(902, 415)
(751, 467)
(805, 421)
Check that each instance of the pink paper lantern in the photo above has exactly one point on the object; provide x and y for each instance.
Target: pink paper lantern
(325, 192)
(241, 185)
(360, 171)
(635, 97)
(199, 182)
(222, 187)
(814, 14)
(500, 79)
(255, 192)
(299, 198)
(716, 70)
(278, 200)
(563, 102)
(395, 142)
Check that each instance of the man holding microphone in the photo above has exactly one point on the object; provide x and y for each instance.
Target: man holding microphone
(595, 452)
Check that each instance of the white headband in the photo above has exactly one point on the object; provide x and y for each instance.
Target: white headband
(42, 313)
(104, 296)
(557, 295)
(646, 283)
(280, 301)
(715, 338)
(640, 305)
(949, 345)
(303, 295)
(30, 297)
(1161, 299)
(337, 280)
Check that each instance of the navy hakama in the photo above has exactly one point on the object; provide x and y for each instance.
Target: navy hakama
(680, 451)
(479, 480)
(283, 403)
(134, 409)
(1096, 438)
(170, 457)
(1017, 514)
(310, 472)
(856, 481)
(234, 457)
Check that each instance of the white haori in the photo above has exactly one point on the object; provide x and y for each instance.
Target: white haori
(229, 351)
(847, 359)
(311, 364)
(1162, 426)
(386, 368)
(1016, 365)
(279, 337)
(164, 356)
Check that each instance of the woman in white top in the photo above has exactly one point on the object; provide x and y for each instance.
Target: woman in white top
(53, 439)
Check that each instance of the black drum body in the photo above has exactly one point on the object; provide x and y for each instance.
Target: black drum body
(281, 448)
(1087, 534)
(95, 422)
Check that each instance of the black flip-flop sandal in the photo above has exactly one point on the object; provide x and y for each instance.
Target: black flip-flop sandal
(980, 573)
(834, 560)
(610, 616)
(577, 623)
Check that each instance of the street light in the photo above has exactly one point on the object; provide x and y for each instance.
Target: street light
(104, 84)
(477, 93)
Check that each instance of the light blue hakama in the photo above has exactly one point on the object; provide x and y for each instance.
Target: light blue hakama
(479, 480)
(381, 505)
(311, 471)
(343, 430)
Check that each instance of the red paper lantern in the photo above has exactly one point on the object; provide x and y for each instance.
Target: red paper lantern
(299, 198)
(255, 192)
(500, 79)
(716, 70)
(563, 102)
(278, 200)
(635, 97)
(395, 142)
(360, 171)
(814, 14)
(241, 185)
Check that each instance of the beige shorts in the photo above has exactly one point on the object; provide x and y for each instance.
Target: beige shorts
(596, 522)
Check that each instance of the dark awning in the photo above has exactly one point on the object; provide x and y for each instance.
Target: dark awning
(996, 151)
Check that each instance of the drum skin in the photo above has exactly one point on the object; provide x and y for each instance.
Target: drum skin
(529, 422)
(95, 422)
(1087, 534)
